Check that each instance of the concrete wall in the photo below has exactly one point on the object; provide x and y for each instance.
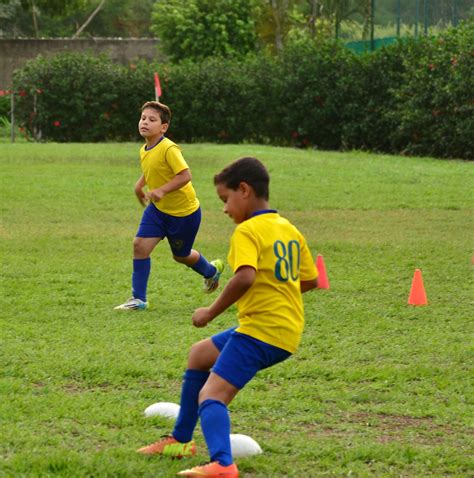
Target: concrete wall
(15, 53)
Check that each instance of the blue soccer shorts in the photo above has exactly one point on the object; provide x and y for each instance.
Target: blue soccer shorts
(242, 356)
(180, 231)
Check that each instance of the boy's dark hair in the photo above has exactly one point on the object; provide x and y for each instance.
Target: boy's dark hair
(246, 170)
(163, 110)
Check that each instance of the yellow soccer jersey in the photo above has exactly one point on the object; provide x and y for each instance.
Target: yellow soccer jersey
(272, 309)
(160, 165)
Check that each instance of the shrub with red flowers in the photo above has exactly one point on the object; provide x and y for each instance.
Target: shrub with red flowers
(77, 97)
(414, 97)
(434, 103)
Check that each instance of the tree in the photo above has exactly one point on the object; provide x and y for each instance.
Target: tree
(304, 19)
(63, 18)
(89, 19)
(52, 7)
(314, 6)
(280, 18)
(121, 18)
(21, 15)
(197, 29)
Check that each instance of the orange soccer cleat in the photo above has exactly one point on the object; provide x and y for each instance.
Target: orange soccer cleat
(212, 470)
(169, 446)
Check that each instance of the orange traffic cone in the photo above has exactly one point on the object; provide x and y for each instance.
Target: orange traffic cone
(417, 292)
(323, 281)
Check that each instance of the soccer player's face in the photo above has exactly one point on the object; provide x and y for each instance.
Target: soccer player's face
(234, 202)
(150, 125)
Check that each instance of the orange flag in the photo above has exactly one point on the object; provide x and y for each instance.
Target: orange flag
(157, 87)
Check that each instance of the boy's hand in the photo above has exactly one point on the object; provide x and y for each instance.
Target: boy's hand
(139, 185)
(233, 291)
(155, 195)
(201, 317)
(141, 196)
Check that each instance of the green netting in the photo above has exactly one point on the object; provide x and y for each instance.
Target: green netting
(367, 45)
(385, 19)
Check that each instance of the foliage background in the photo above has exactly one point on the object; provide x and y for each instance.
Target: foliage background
(414, 97)
(272, 20)
(62, 18)
(198, 29)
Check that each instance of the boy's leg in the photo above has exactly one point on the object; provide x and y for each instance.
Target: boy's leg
(197, 262)
(240, 359)
(211, 271)
(181, 234)
(215, 424)
(150, 232)
(201, 358)
(142, 248)
(203, 267)
(140, 275)
(193, 381)
(180, 443)
(215, 420)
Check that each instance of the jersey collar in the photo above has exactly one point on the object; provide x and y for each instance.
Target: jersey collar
(156, 144)
(263, 211)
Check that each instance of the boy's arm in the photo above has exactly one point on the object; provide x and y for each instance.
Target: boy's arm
(306, 285)
(139, 185)
(307, 268)
(233, 291)
(182, 178)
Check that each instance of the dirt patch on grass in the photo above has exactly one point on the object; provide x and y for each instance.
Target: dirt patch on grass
(81, 387)
(403, 428)
(390, 428)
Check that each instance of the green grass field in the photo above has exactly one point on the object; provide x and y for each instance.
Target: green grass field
(377, 389)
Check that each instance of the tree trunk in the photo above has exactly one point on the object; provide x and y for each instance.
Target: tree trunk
(278, 26)
(35, 19)
(92, 15)
(367, 19)
(313, 18)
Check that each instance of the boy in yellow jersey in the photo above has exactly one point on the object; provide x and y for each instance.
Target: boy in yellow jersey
(272, 267)
(172, 208)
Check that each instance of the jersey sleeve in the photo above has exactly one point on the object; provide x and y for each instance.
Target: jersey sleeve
(175, 160)
(308, 270)
(244, 249)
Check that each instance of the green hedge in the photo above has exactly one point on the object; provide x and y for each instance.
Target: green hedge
(5, 105)
(77, 98)
(214, 100)
(435, 101)
(413, 97)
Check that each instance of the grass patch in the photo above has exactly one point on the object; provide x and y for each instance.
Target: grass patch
(378, 388)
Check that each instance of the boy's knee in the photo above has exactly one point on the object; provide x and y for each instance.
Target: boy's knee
(195, 356)
(141, 249)
(137, 244)
(221, 391)
(186, 260)
(202, 355)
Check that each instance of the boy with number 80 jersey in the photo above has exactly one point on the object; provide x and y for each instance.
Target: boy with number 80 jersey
(272, 267)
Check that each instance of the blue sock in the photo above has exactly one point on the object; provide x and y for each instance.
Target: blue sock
(193, 381)
(141, 272)
(204, 267)
(215, 424)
